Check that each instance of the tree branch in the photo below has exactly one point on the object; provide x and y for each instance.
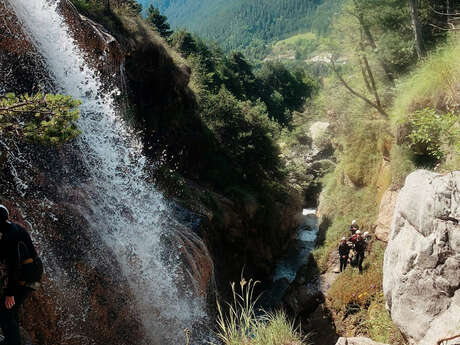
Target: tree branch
(372, 79)
(353, 92)
(447, 339)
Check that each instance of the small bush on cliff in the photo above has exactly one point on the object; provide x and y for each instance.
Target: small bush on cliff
(241, 326)
(46, 119)
(433, 133)
(427, 110)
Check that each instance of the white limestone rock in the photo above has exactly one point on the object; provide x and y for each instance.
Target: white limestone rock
(356, 341)
(421, 274)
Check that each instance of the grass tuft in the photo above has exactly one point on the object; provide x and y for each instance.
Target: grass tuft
(240, 325)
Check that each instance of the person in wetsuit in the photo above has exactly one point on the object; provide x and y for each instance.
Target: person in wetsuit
(353, 227)
(24, 271)
(360, 246)
(344, 251)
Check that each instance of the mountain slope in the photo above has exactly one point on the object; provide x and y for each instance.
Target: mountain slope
(239, 24)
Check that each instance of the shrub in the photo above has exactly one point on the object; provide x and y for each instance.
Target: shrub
(379, 325)
(46, 119)
(433, 133)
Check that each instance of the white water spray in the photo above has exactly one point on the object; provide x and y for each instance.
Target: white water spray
(128, 212)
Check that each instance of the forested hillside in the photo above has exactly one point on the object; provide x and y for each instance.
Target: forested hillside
(242, 24)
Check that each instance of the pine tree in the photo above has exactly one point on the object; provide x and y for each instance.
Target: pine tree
(159, 22)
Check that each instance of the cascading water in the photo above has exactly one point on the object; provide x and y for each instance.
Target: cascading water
(128, 212)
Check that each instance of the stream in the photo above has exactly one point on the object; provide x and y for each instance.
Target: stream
(296, 255)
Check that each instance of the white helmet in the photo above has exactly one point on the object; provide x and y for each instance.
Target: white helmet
(366, 233)
(353, 222)
(344, 239)
(357, 232)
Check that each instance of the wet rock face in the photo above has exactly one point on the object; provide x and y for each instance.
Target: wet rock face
(82, 300)
(21, 68)
(102, 49)
(421, 277)
(247, 237)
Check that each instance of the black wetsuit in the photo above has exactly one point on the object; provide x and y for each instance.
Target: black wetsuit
(344, 250)
(360, 247)
(24, 267)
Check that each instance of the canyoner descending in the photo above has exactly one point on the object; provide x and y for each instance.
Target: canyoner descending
(130, 215)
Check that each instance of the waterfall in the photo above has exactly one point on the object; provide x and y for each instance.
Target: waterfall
(131, 216)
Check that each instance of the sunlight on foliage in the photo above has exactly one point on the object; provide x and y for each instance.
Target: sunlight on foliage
(434, 133)
(45, 119)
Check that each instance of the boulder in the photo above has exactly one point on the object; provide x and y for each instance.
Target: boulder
(356, 341)
(421, 273)
(387, 207)
(318, 129)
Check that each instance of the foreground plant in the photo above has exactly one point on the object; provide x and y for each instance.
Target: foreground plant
(43, 118)
(241, 326)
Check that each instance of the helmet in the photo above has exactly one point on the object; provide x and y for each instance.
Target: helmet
(4, 213)
(353, 222)
(344, 239)
(366, 233)
(357, 232)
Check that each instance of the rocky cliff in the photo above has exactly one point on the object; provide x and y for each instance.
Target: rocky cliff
(421, 277)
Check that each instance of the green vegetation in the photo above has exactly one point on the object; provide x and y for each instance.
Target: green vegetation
(427, 112)
(98, 9)
(282, 91)
(45, 119)
(298, 47)
(158, 21)
(430, 132)
(391, 102)
(362, 296)
(390, 112)
(240, 25)
(240, 324)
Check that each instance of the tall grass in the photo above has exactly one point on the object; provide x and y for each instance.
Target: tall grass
(435, 83)
(432, 88)
(238, 323)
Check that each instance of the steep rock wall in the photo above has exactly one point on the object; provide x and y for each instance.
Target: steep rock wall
(421, 277)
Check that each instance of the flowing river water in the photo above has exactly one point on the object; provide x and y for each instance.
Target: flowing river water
(296, 255)
(129, 213)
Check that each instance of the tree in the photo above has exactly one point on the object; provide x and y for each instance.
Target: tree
(367, 73)
(245, 133)
(159, 22)
(419, 44)
(366, 31)
(46, 119)
(283, 91)
(184, 42)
